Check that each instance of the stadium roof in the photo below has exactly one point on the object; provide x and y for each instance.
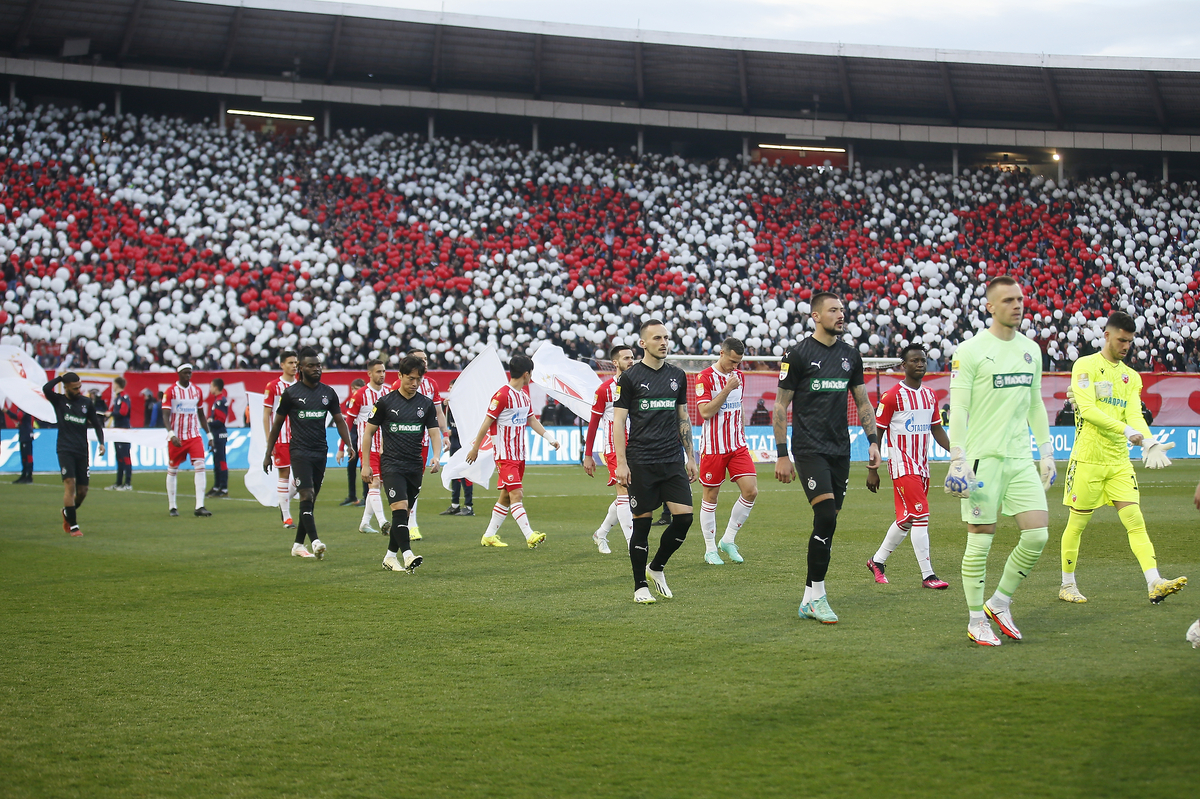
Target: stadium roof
(338, 44)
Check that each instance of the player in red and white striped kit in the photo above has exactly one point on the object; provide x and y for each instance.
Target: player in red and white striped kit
(429, 389)
(358, 409)
(908, 415)
(508, 414)
(183, 410)
(723, 451)
(602, 423)
(282, 454)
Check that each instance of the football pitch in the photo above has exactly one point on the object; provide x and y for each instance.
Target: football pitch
(194, 657)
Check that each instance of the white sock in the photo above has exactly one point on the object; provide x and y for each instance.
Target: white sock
(818, 590)
(522, 520)
(172, 486)
(895, 535)
(412, 515)
(708, 525)
(976, 615)
(1068, 578)
(625, 516)
(999, 601)
(920, 544)
(498, 513)
(368, 509)
(1152, 577)
(807, 595)
(737, 517)
(201, 479)
(296, 546)
(375, 503)
(610, 519)
(284, 491)
(390, 554)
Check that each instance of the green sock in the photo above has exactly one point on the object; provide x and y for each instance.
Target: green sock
(1022, 559)
(974, 569)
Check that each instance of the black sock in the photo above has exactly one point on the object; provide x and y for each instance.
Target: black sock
(639, 550)
(398, 540)
(468, 494)
(307, 525)
(69, 514)
(671, 540)
(79, 498)
(820, 543)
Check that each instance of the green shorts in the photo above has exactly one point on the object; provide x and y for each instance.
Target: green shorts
(1010, 486)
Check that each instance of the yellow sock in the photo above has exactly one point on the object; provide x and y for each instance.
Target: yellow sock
(1139, 541)
(1071, 536)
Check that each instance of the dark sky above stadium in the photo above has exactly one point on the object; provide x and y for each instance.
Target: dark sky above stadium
(1154, 28)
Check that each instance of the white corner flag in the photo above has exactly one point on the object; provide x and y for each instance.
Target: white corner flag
(571, 382)
(262, 485)
(473, 390)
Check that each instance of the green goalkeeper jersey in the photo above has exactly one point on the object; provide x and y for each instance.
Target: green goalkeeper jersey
(1108, 396)
(996, 397)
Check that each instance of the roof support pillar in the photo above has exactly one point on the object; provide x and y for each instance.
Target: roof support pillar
(948, 87)
(847, 96)
(641, 142)
(639, 72)
(334, 40)
(1052, 96)
(437, 59)
(1160, 108)
(743, 81)
(537, 66)
(21, 40)
(130, 29)
(235, 25)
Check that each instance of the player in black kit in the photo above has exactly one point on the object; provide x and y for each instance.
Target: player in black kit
(403, 415)
(652, 395)
(814, 378)
(75, 414)
(306, 403)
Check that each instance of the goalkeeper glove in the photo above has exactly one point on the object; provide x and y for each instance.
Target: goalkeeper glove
(1049, 467)
(960, 480)
(1154, 455)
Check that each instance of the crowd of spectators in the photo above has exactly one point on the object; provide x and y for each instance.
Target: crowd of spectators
(141, 242)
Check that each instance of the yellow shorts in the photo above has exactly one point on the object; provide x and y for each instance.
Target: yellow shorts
(1093, 485)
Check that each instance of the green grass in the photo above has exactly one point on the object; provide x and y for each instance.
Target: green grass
(194, 657)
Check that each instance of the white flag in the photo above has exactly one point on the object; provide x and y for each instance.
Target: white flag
(21, 381)
(473, 390)
(262, 485)
(571, 382)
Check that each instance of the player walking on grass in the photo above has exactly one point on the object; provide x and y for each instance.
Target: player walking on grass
(908, 415)
(602, 423)
(1108, 418)
(995, 402)
(401, 419)
(75, 413)
(723, 451)
(358, 409)
(183, 411)
(429, 389)
(218, 435)
(507, 417)
(305, 405)
(652, 396)
(288, 363)
(814, 378)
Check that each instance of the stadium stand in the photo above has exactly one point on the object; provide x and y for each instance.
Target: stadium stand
(141, 242)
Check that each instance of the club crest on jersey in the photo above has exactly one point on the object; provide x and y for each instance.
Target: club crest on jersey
(633, 502)
(1124, 378)
(812, 484)
(420, 413)
(391, 492)
(976, 512)
(324, 400)
(708, 475)
(674, 385)
(845, 364)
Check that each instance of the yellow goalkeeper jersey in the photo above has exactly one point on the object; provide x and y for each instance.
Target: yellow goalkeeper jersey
(1108, 396)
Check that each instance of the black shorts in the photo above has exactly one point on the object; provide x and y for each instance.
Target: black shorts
(823, 474)
(308, 472)
(74, 466)
(401, 486)
(654, 484)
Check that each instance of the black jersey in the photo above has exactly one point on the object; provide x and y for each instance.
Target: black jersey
(821, 378)
(74, 418)
(306, 408)
(403, 423)
(652, 396)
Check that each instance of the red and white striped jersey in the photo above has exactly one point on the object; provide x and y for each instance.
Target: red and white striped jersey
(274, 391)
(603, 405)
(509, 410)
(725, 432)
(359, 409)
(908, 416)
(183, 404)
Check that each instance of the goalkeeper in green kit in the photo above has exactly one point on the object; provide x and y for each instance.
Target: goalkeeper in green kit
(995, 401)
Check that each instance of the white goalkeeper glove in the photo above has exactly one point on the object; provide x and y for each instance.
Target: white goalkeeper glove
(960, 480)
(1154, 454)
(1049, 467)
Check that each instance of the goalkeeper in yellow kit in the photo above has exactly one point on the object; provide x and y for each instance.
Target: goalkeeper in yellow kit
(1108, 418)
